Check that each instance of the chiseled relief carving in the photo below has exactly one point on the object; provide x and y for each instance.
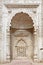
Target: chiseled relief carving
(21, 40)
(21, 48)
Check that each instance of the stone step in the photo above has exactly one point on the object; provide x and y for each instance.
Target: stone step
(19, 62)
(22, 62)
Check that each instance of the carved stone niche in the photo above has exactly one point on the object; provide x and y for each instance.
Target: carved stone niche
(21, 18)
(23, 24)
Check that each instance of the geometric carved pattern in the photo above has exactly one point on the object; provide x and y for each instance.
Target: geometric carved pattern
(21, 51)
(21, 48)
(21, 42)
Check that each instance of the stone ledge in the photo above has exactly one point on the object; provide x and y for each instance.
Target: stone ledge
(21, 6)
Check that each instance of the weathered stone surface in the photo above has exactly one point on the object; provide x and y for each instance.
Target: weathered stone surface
(6, 15)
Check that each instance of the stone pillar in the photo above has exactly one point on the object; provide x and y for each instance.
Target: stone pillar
(41, 49)
(39, 33)
(5, 46)
(42, 21)
(1, 31)
(8, 46)
(35, 46)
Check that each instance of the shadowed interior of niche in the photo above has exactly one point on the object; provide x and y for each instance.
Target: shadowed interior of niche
(21, 21)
